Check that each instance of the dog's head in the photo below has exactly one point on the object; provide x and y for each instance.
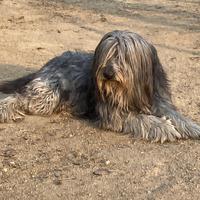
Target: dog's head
(123, 70)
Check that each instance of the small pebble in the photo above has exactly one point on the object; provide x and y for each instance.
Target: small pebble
(101, 172)
(57, 182)
(13, 164)
(107, 162)
(103, 18)
(5, 169)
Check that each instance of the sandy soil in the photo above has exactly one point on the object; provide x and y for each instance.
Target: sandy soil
(63, 158)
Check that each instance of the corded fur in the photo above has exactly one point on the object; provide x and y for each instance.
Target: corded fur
(122, 84)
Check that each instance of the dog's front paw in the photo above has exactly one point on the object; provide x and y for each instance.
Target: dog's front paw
(162, 131)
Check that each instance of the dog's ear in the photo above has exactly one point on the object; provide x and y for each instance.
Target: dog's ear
(139, 58)
(160, 82)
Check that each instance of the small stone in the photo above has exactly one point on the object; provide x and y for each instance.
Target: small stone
(101, 172)
(127, 161)
(25, 137)
(107, 162)
(172, 59)
(8, 152)
(103, 18)
(13, 164)
(20, 18)
(5, 169)
(57, 173)
(40, 48)
(57, 181)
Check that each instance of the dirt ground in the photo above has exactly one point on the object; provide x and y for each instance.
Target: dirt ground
(59, 157)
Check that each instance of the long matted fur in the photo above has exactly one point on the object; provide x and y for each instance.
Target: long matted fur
(122, 84)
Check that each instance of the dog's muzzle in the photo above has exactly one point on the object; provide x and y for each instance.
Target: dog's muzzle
(108, 73)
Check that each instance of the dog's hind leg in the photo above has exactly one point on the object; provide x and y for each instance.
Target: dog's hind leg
(41, 98)
(38, 98)
(11, 109)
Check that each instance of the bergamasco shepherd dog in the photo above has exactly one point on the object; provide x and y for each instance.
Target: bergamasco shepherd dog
(122, 85)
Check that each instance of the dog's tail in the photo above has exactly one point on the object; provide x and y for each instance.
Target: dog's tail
(186, 127)
(17, 85)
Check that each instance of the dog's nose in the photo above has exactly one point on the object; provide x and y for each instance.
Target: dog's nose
(108, 73)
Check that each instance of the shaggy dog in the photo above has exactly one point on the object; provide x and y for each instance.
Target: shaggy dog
(123, 85)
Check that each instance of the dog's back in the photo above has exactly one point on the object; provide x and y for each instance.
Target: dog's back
(62, 83)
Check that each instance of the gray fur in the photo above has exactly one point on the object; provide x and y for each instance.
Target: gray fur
(123, 85)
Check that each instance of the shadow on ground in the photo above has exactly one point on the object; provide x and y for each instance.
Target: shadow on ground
(172, 16)
(169, 17)
(11, 72)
